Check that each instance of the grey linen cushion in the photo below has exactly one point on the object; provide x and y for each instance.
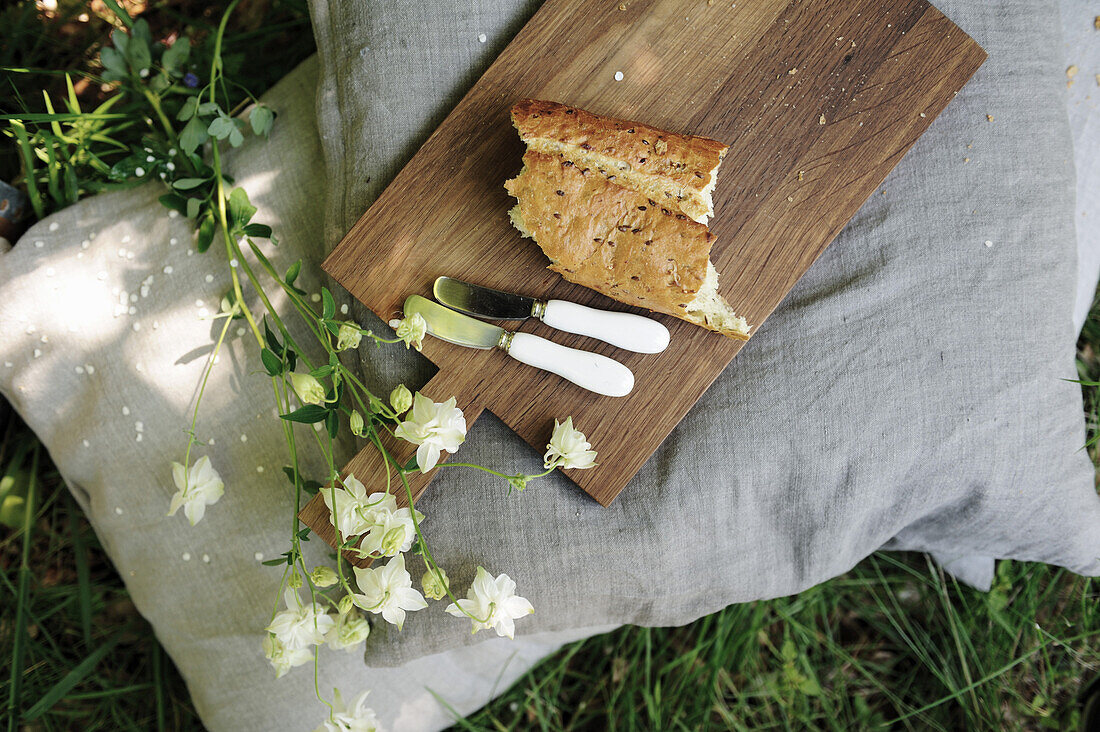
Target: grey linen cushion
(909, 393)
(110, 393)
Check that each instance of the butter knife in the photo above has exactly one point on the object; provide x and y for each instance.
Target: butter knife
(624, 330)
(587, 370)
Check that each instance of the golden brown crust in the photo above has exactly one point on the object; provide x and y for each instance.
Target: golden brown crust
(682, 166)
(611, 239)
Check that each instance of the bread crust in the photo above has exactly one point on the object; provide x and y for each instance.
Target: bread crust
(684, 167)
(609, 238)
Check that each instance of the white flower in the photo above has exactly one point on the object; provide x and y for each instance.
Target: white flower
(411, 330)
(356, 423)
(434, 426)
(568, 448)
(434, 587)
(354, 511)
(308, 388)
(199, 487)
(348, 337)
(494, 602)
(354, 717)
(350, 630)
(300, 625)
(282, 658)
(388, 590)
(392, 531)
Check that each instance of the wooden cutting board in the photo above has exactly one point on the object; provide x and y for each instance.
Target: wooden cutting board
(818, 102)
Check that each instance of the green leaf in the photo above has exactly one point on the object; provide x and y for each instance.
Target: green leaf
(124, 169)
(236, 139)
(176, 55)
(411, 464)
(188, 110)
(261, 118)
(272, 363)
(119, 38)
(810, 687)
(258, 231)
(186, 184)
(289, 472)
(138, 52)
(174, 201)
(311, 486)
(240, 210)
(160, 83)
(332, 422)
(321, 372)
(274, 562)
(328, 305)
(293, 272)
(272, 340)
(220, 127)
(206, 232)
(209, 108)
(309, 414)
(193, 135)
(112, 60)
(193, 207)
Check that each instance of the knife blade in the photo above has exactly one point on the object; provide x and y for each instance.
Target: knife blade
(587, 370)
(624, 330)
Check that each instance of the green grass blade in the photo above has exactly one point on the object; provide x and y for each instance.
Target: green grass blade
(74, 677)
(84, 583)
(18, 654)
(26, 151)
(118, 11)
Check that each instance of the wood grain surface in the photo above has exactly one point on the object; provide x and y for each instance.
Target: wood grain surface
(818, 102)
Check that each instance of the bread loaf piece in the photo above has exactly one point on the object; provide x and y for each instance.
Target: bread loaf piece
(625, 244)
(679, 171)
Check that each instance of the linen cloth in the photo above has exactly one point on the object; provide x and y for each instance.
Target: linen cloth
(110, 394)
(909, 392)
(855, 426)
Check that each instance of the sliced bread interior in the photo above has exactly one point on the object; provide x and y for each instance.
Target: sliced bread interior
(621, 242)
(680, 171)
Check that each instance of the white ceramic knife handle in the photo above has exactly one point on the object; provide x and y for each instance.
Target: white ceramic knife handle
(587, 370)
(625, 330)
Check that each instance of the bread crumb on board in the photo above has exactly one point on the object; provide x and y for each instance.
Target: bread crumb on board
(989, 118)
(821, 120)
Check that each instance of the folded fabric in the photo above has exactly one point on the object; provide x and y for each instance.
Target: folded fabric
(909, 393)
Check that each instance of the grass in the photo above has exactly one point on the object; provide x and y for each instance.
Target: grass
(892, 644)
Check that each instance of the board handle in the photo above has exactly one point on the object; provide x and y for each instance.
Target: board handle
(624, 330)
(369, 467)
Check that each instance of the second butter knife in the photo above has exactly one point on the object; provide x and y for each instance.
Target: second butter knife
(624, 330)
(587, 370)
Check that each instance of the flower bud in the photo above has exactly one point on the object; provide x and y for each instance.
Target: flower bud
(308, 389)
(401, 399)
(348, 337)
(411, 330)
(393, 541)
(294, 581)
(323, 577)
(347, 602)
(356, 420)
(433, 587)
